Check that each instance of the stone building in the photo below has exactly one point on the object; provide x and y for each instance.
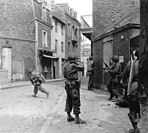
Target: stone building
(58, 40)
(119, 39)
(25, 38)
(72, 34)
(107, 12)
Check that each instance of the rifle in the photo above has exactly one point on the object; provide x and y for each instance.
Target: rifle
(106, 65)
(131, 72)
(29, 75)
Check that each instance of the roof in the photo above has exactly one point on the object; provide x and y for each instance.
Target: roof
(59, 14)
(120, 29)
(38, 13)
(132, 18)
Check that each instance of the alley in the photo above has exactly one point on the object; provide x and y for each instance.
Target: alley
(22, 113)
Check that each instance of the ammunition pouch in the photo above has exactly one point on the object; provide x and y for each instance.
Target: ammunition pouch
(72, 84)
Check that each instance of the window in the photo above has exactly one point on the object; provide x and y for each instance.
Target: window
(62, 47)
(69, 29)
(44, 38)
(62, 29)
(76, 30)
(44, 16)
(56, 26)
(69, 49)
(56, 46)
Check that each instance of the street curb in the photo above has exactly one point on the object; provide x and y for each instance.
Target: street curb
(26, 83)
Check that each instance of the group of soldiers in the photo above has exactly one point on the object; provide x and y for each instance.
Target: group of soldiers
(129, 78)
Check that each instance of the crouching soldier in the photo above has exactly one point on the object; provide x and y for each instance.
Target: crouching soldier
(37, 79)
(72, 86)
(130, 73)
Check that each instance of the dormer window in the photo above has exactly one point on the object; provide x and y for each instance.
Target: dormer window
(44, 14)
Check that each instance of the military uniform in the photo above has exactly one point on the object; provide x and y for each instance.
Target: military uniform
(37, 79)
(133, 102)
(72, 86)
(90, 73)
(115, 71)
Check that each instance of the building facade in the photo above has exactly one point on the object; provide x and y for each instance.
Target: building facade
(119, 39)
(43, 26)
(72, 32)
(58, 40)
(25, 38)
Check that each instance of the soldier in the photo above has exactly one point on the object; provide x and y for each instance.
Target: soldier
(115, 72)
(90, 72)
(130, 73)
(36, 79)
(72, 86)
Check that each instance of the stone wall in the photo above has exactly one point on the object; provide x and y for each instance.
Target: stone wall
(107, 12)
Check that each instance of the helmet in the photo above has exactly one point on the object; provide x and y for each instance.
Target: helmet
(30, 70)
(71, 58)
(90, 57)
(115, 57)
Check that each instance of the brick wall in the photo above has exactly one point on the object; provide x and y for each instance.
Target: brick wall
(120, 47)
(16, 17)
(22, 51)
(107, 12)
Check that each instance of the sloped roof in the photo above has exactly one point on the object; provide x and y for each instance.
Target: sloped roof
(132, 17)
(59, 14)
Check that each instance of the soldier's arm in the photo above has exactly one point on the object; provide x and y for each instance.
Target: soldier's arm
(80, 66)
(115, 70)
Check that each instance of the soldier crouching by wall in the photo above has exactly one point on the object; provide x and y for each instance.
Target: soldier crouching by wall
(37, 79)
(130, 73)
(72, 87)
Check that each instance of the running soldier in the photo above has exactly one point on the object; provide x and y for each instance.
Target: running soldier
(130, 73)
(37, 79)
(72, 87)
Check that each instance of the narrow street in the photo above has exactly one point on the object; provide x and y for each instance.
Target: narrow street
(22, 113)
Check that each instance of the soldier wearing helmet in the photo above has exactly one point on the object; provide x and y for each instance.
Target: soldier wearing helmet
(90, 72)
(114, 70)
(130, 76)
(72, 87)
(37, 79)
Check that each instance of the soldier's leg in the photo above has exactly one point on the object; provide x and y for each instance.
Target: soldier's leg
(35, 90)
(43, 90)
(132, 114)
(69, 104)
(109, 87)
(76, 105)
(90, 84)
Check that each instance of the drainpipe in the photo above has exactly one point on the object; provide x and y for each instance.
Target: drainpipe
(36, 45)
(36, 37)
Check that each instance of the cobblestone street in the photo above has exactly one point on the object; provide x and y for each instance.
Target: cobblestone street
(22, 113)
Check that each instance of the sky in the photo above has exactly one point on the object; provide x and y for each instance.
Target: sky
(83, 7)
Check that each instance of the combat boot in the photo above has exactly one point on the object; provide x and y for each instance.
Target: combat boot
(69, 117)
(79, 121)
(47, 94)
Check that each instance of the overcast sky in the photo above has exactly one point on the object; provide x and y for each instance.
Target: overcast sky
(83, 7)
